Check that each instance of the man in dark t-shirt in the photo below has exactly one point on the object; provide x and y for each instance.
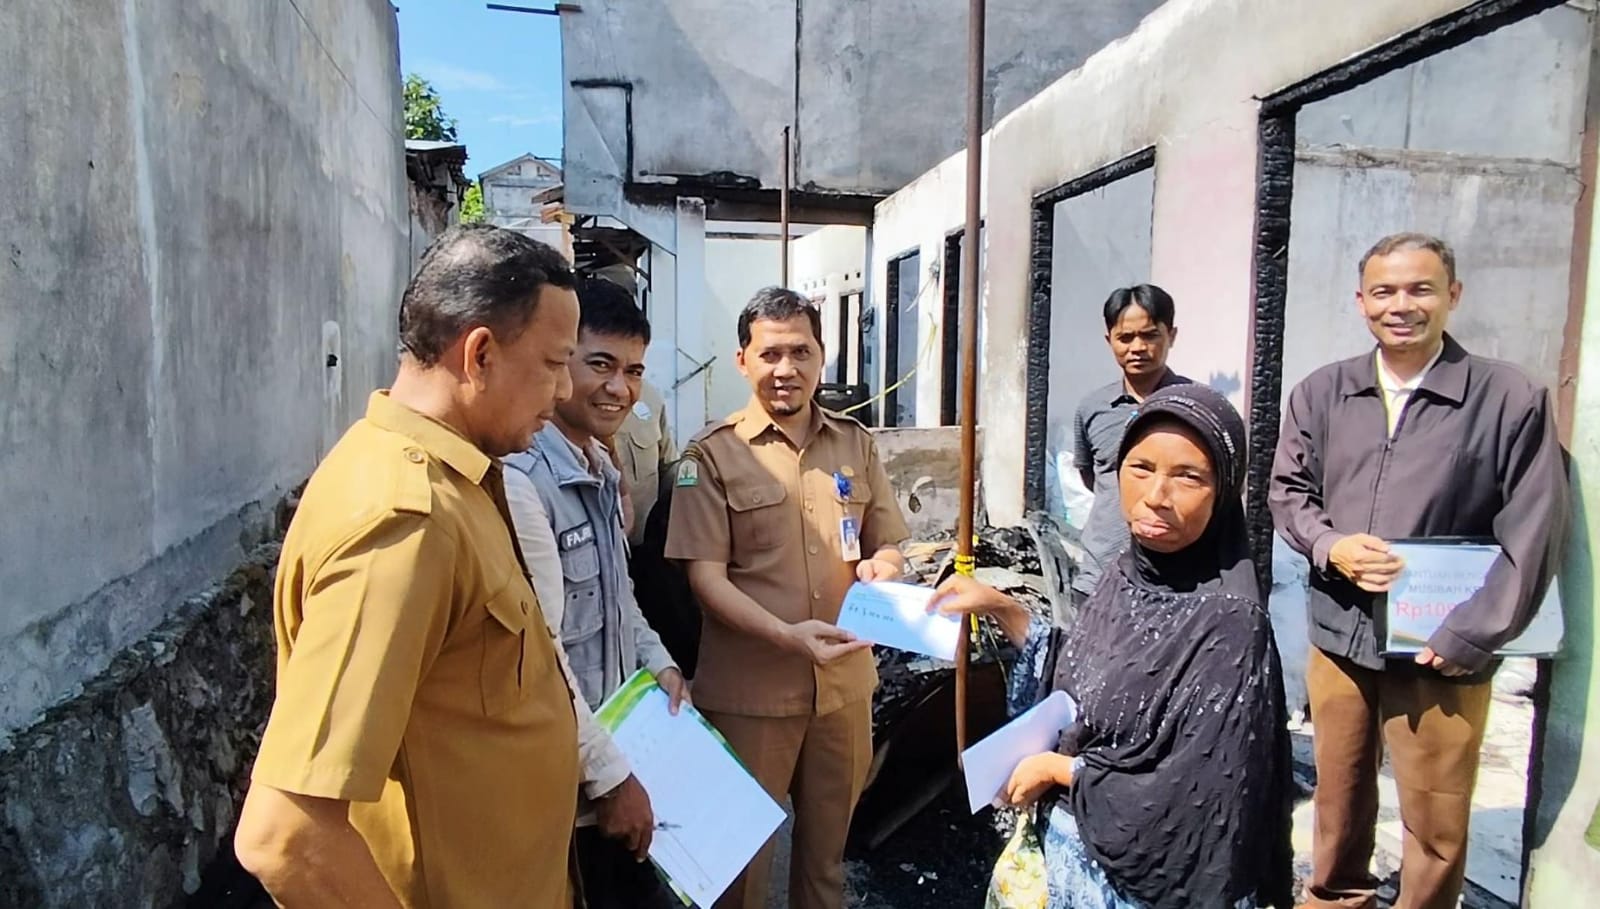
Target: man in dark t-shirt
(1140, 332)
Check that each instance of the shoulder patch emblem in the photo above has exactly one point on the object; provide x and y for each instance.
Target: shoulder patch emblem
(688, 472)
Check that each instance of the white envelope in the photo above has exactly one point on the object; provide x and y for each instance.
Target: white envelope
(896, 615)
(988, 765)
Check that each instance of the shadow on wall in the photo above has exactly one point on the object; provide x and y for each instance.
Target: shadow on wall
(1286, 603)
(1559, 745)
(1229, 385)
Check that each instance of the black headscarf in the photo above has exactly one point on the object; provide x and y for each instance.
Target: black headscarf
(1184, 792)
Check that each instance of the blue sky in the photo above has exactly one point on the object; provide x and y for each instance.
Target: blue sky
(498, 74)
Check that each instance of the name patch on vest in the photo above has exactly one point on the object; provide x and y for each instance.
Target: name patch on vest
(577, 536)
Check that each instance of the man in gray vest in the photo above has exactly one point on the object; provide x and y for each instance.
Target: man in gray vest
(566, 491)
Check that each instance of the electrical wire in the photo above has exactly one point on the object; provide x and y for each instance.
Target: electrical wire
(922, 357)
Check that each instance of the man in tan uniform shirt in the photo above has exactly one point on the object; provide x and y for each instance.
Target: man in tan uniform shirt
(422, 751)
(643, 446)
(773, 510)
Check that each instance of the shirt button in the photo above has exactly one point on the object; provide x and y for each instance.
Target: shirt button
(812, 550)
(756, 498)
(816, 594)
(414, 456)
(808, 506)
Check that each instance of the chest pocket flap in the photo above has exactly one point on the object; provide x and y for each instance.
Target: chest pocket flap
(744, 498)
(645, 433)
(505, 644)
(754, 517)
(860, 492)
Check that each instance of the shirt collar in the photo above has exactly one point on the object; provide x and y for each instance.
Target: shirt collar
(1393, 386)
(1446, 378)
(434, 437)
(568, 462)
(1121, 395)
(754, 420)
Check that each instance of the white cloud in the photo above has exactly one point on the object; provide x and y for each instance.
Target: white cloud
(526, 120)
(447, 77)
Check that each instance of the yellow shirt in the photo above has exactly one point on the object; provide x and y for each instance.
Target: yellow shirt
(416, 676)
(1397, 394)
(747, 496)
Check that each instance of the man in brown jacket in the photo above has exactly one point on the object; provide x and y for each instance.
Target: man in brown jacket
(1419, 439)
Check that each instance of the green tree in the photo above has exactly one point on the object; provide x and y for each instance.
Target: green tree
(472, 205)
(425, 116)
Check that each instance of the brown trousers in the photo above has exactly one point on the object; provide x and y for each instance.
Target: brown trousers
(1433, 730)
(820, 763)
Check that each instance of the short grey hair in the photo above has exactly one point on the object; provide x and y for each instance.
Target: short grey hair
(1410, 240)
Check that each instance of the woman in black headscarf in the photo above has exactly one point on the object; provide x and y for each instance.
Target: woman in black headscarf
(1172, 789)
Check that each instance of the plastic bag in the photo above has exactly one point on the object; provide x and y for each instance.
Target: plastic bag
(1019, 880)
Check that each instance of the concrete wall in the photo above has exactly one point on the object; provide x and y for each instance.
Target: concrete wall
(207, 199)
(735, 270)
(828, 265)
(1166, 86)
(510, 188)
(921, 217)
(125, 795)
(1510, 223)
(924, 468)
(869, 87)
(1479, 145)
(1102, 241)
(1564, 859)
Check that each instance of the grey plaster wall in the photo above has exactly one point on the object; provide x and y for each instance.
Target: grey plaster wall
(873, 89)
(1102, 242)
(197, 195)
(1511, 227)
(1514, 93)
(924, 468)
(1479, 145)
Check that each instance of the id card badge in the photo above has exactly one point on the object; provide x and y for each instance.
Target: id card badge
(849, 539)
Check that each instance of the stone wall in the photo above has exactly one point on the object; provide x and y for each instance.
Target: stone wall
(123, 795)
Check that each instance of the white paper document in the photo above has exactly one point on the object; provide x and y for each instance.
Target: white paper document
(988, 765)
(711, 815)
(896, 615)
(1440, 575)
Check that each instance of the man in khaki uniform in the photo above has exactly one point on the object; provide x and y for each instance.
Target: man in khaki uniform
(766, 505)
(643, 445)
(422, 751)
